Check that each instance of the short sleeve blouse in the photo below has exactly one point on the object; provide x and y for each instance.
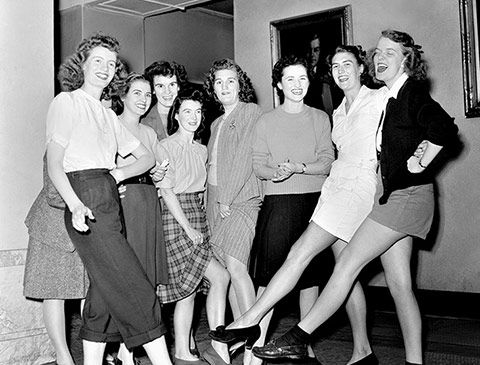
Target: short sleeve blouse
(187, 171)
(90, 133)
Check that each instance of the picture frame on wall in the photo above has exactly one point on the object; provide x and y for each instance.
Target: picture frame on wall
(470, 38)
(294, 36)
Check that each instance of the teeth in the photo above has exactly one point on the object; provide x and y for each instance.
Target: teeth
(381, 68)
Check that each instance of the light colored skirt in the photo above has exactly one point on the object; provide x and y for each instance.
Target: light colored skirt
(232, 236)
(347, 197)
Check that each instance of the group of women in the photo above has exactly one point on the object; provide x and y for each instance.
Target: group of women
(104, 171)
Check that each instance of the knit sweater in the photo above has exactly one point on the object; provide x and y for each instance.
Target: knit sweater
(302, 138)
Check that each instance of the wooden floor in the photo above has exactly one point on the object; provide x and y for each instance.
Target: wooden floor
(448, 340)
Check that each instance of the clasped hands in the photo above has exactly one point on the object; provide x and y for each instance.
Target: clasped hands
(285, 170)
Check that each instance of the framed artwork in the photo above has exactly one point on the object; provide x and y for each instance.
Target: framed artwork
(331, 27)
(470, 36)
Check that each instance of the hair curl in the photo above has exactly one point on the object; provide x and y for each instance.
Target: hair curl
(123, 89)
(70, 74)
(246, 93)
(414, 65)
(184, 95)
(361, 58)
(282, 64)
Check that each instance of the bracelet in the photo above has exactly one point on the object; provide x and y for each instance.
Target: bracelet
(420, 164)
(304, 168)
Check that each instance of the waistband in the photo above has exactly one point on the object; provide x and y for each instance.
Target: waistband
(140, 179)
(87, 173)
(357, 160)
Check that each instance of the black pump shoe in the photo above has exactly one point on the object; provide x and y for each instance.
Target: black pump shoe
(370, 359)
(247, 334)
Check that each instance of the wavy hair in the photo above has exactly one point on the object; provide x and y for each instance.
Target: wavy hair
(361, 58)
(246, 92)
(184, 95)
(123, 89)
(414, 65)
(70, 74)
(282, 64)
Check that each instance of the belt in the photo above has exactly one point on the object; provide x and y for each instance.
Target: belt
(140, 179)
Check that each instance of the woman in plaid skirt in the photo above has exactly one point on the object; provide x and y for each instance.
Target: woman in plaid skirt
(191, 265)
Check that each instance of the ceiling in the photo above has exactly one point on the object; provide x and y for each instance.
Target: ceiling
(147, 8)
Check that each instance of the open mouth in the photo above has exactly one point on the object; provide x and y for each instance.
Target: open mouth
(102, 76)
(343, 78)
(297, 92)
(381, 68)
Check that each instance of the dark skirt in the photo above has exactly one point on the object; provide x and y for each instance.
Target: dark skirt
(408, 210)
(282, 220)
(187, 262)
(144, 230)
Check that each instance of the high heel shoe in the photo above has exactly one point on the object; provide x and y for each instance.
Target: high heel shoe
(212, 357)
(370, 359)
(247, 334)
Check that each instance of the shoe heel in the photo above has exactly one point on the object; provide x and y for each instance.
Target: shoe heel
(252, 338)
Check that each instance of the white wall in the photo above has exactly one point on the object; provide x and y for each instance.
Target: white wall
(450, 262)
(26, 90)
(193, 38)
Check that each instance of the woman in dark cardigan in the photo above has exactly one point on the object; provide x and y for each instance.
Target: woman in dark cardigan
(414, 130)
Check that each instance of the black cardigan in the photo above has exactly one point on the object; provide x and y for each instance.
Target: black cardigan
(411, 118)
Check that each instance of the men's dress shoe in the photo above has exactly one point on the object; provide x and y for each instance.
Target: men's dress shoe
(272, 351)
(178, 361)
(248, 334)
(212, 357)
(305, 361)
(370, 359)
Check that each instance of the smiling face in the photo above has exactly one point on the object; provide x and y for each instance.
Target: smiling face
(166, 90)
(294, 83)
(388, 59)
(226, 87)
(346, 71)
(99, 68)
(138, 98)
(189, 116)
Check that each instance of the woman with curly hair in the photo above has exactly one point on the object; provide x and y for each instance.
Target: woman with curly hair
(234, 192)
(413, 130)
(140, 206)
(292, 155)
(166, 79)
(191, 265)
(83, 139)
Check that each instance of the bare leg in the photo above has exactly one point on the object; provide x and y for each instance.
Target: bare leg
(307, 299)
(264, 323)
(54, 319)
(93, 352)
(313, 241)
(356, 308)
(396, 263)
(157, 352)
(216, 302)
(370, 241)
(125, 355)
(182, 323)
(241, 283)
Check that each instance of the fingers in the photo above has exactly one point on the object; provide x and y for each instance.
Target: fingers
(121, 191)
(78, 218)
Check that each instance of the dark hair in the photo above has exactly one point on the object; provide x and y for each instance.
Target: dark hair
(360, 56)
(184, 95)
(70, 74)
(282, 64)
(122, 90)
(167, 69)
(246, 93)
(414, 65)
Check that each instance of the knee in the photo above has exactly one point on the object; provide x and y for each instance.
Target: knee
(400, 287)
(236, 269)
(220, 278)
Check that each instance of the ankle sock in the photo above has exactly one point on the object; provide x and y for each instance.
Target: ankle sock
(296, 336)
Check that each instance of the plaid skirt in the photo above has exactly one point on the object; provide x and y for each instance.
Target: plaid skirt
(186, 261)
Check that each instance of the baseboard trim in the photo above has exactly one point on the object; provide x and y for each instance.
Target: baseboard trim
(431, 302)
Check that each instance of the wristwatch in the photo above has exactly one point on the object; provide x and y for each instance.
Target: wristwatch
(304, 168)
